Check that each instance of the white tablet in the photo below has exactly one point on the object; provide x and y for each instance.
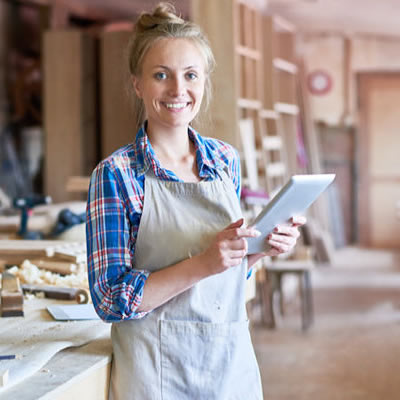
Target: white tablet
(293, 199)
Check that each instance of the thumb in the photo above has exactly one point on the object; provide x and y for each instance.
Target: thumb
(236, 224)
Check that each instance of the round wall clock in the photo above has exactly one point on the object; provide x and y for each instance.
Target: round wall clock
(319, 82)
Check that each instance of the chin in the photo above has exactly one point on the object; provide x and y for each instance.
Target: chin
(179, 122)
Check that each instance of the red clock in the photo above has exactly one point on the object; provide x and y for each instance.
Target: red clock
(319, 82)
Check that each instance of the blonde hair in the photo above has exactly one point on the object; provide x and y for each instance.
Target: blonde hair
(163, 23)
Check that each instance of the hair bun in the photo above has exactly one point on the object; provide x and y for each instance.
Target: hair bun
(164, 13)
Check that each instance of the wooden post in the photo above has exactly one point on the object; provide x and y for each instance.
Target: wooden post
(3, 62)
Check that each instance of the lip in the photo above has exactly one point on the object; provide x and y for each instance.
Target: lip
(176, 109)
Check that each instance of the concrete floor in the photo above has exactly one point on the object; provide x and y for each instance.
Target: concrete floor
(352, 351)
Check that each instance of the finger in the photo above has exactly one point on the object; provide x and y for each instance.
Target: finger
(237, 244)
(298, 220)
(280, 247)
(287, 240)
(234, 254)
(236, 233)
(236, 224)
(287, 230)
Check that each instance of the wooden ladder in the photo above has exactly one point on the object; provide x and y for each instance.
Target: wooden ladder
(274, 154)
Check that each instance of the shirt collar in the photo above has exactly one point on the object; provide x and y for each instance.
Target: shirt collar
(207, 159)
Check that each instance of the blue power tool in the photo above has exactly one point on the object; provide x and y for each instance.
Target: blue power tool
(26, 204)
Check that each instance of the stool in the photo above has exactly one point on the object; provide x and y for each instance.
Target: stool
(302, 269)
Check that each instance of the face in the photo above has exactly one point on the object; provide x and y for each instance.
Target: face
(171, 84)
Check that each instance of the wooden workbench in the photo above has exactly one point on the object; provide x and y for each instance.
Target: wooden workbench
(66, 372)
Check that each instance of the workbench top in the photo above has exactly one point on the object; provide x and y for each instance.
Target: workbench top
(56, 359)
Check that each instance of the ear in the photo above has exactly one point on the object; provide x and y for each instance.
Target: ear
(136, 86)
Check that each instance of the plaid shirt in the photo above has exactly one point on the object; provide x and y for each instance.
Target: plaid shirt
(114, 209)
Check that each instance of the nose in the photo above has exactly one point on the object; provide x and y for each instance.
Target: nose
(176, 87)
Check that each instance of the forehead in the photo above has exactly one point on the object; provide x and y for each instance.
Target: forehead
(174, 53)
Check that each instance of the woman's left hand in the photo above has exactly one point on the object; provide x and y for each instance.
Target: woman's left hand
(284, 237)
(281, 240)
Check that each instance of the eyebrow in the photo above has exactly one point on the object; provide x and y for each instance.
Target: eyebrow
(186, 68)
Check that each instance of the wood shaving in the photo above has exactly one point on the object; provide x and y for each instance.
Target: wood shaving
(30, 273)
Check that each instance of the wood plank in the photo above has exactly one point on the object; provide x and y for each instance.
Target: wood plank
(248, 52)
(268, 114)
(285, 108)
(208, 15)
(60, 267)
(68, 109)
(282, 24)
(117, 114)
(16, 251)
(276, 169)
(249, 103)
(284, 65)
(272, 143)
(78, 184)
(246, 127)
(267, 62)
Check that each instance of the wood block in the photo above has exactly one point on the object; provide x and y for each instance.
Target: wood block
(60, 267)
(16, 251)
(4, 377)
(10, 283)
(73, 252)
(12, 298)
(12, 312)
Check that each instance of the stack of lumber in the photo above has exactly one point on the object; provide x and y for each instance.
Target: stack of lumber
(45, 262)
(16, 251)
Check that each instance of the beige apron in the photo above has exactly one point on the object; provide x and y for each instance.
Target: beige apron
(197, 345)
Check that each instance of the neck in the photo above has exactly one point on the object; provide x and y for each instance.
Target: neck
(171, 144)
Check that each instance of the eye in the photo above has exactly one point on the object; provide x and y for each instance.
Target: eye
(191, 76)
(160, 76)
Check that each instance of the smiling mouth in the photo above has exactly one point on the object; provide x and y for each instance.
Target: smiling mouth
(176, 106)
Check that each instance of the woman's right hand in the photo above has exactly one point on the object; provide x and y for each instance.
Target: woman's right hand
(228, 248)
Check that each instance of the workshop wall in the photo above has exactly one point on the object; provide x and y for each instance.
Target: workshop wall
(330, 54)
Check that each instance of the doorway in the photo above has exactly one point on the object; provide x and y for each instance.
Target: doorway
(379, 159)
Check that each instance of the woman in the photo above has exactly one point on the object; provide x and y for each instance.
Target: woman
(166, 241)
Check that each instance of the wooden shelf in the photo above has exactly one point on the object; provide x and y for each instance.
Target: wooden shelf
(255, 80)
(268, 114)
(283, 24)
(285, 108)
(284, 65)
(272, 142)
(276, 169)
(248, 52)
(249, 103)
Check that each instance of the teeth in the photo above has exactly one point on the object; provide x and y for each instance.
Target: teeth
(175, 105)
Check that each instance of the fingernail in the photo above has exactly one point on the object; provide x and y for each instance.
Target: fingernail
(276, 229)
(256, 233)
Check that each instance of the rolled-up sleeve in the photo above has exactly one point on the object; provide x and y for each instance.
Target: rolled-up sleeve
(116, 287)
